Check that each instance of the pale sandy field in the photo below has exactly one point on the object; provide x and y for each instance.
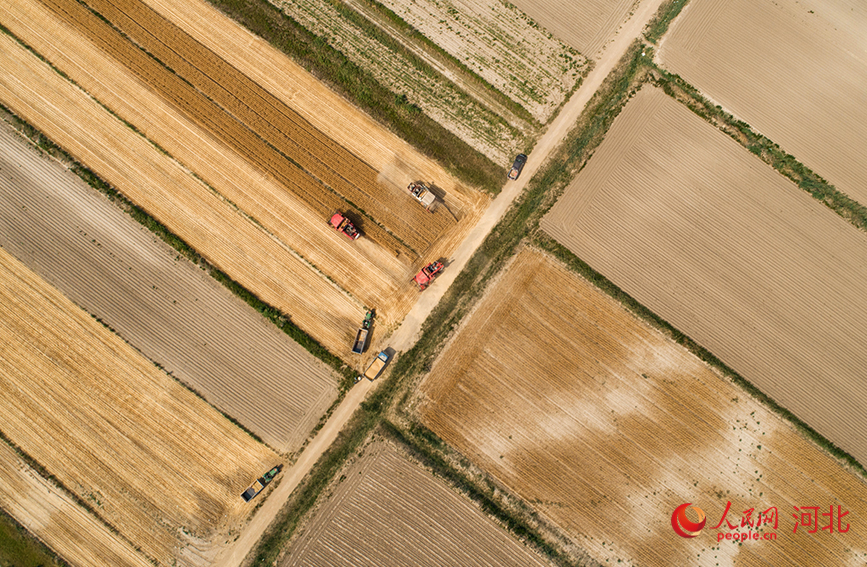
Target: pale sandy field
(153, 460)
(605, 427)
(587, 25)
(166, 307)
(724, 248)
(389, 511)
(795, 70)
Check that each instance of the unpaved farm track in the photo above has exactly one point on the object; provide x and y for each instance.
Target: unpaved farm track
(254, 123)
(167, 308)
(605, 426)
(709, 237)
(424, 522)
(154, 460)
(169, 192)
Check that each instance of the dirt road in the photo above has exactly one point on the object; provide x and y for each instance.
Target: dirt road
(407, 333)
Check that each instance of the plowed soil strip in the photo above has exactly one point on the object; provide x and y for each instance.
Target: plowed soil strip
(589, 414)
(173, 196)
(167, 308)
(730, 252)
(216, 120)
(155, 459)
(423, 521)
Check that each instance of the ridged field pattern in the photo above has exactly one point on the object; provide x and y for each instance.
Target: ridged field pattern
(174, 196)
(155, 460)
(499, 43)
(52, 516)
(167, 308)
(605, 427)
(391, 512)
(586, 25)
(728, 251)
(794, 70)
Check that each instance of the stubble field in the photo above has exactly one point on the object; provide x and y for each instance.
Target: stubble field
(155, 461)
(605, 427)
(385, 497)
(711, 239)
(792, 69)
(167, 308)
(587, 25)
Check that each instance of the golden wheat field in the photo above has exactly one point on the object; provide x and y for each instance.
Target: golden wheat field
(605, 426)
(793, 69)
(156, 462)
(163, 305)
(731, 253)
(386, 497)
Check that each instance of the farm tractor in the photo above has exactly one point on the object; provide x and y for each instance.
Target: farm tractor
(427, 275)
(344, 226)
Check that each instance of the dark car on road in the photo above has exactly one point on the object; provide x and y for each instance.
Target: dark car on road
(517, 166)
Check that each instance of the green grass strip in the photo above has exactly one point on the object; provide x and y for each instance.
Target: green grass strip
(667, 12)
(19, 548)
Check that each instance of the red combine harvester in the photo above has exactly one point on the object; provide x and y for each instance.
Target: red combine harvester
(345, 226)
(427, 274)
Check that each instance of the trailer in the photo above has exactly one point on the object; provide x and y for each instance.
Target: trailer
(422, 194)
(260, 484)
(344, 226)
(376, 367)
(427, 274)
(363, 333)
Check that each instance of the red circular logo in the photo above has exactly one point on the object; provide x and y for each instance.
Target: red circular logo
(683, 526)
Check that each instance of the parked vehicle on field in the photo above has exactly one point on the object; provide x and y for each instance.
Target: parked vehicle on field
(260, 484)
(363, 333)
(517, 166)
(344, 225)
(427, 274)
(422, 194)
(376, 367)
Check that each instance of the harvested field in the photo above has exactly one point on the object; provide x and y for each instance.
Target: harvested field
(388, 498)
(605, 427)
(255, 124)
(707, 236)
(805, 91)
(499, 43)
(370, 272)
(167, 308)
(52, 516)
(155, 461)
(586, 25)
(433, 93)
(176, 198)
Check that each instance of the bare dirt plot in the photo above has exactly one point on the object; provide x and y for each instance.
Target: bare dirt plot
(605, 426)
(166, 307)
(370, 272)
(388, 498)
(52, 516)
(172, 195)
(794, 70)
(499, 43)
(717, 243)
(158, 463)
(586, 25)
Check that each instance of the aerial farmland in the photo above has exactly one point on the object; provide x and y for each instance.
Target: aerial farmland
(273, 297)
